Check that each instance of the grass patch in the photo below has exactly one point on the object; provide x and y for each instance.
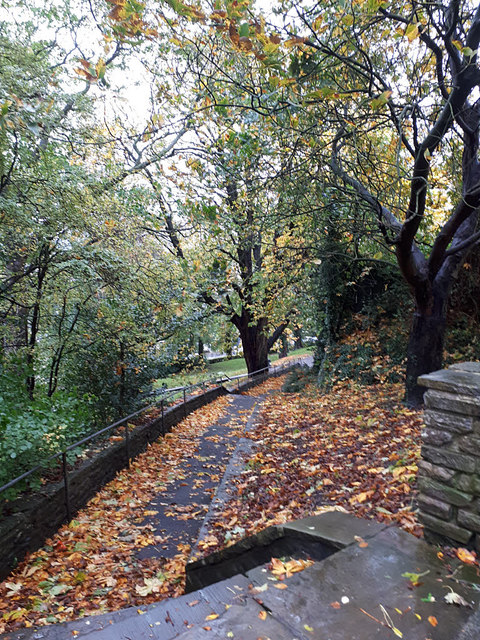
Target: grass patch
(232, 367)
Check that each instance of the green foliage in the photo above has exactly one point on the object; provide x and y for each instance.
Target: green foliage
(33, 430)
(298, 379)
(370, 357)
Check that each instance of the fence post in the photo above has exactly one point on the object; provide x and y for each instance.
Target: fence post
(65, 483)
(127, 444)
(184, 403)
(163, 416)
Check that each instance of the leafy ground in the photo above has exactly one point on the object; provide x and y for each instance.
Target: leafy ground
(354, 448)
(89, 566)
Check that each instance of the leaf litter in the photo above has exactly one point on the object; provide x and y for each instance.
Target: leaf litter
(90, 565)
(354, 449)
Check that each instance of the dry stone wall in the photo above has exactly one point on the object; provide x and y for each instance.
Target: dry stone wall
(449, 470)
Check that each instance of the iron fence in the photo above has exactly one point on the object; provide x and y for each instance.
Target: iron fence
(161, 396)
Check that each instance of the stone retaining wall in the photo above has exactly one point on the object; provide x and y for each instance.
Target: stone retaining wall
(30, 520)
(449, 471)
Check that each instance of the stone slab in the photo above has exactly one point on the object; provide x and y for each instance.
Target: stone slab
(162, 621)
(370, 578)
(242, 623)
(473, 367)
(450, 459)
(357, 593)
(451, 533)
(453, 380)
(334, 528)
(452, 403)
(448, 420)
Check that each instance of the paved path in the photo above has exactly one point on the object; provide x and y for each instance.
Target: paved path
(182, 508)
(180, 512)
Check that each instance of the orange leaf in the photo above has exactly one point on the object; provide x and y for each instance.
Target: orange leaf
(262, 615)
(433, 621)
(335, 605)
(466, 556)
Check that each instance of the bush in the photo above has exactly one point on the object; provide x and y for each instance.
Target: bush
(366, 356)
(298, 379)
(33, 430)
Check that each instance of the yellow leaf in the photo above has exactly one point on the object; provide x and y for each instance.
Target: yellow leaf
(466, 556)
(412, 32)
(212, 616)
(262, 615)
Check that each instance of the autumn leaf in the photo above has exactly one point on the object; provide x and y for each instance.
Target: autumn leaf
(456, 598)
(433, 621)
(466, 556)
(212, 616)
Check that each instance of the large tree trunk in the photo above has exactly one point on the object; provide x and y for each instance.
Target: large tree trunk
(254, 343)
(425, 345)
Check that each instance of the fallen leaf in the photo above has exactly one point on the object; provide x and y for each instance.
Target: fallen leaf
(212, 616)
(466, 556)
(262, 615)
(456, 598)
(433, 621)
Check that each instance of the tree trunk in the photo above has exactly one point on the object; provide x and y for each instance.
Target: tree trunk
(254, 343)
(283, 353)
(298, 339)
(425, 346)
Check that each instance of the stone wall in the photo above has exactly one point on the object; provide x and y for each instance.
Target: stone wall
(449, 470)
(30, 520)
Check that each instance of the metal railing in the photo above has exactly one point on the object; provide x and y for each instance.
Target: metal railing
(165, 396)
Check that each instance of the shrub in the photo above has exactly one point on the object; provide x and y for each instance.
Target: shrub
(33, 430)
(298, 379)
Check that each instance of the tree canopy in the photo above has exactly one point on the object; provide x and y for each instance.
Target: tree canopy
(164, 163)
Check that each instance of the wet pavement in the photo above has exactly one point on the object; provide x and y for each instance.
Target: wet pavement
(365, 581)
(178, 513)
(373, 582)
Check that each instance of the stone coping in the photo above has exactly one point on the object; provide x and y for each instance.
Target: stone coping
(461, 379)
